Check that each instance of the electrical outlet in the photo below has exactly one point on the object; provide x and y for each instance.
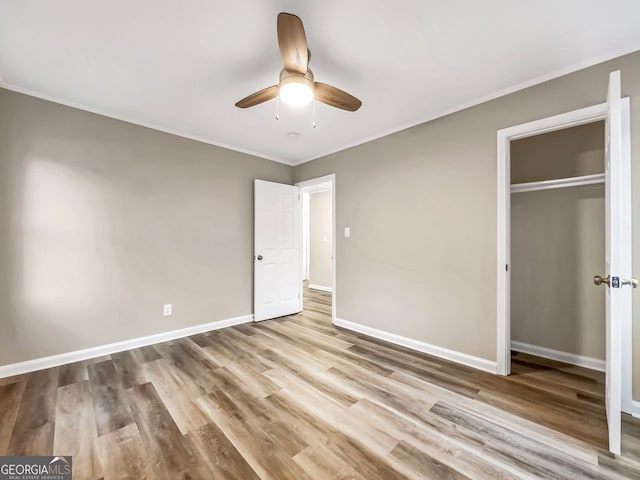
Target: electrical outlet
(167, 310)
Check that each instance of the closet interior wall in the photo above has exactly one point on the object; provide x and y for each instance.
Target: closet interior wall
(557, 243)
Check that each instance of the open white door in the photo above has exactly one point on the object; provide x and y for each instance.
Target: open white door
(618, 252)
(277, 250)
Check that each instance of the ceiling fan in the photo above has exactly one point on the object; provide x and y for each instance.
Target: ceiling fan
(297, 86)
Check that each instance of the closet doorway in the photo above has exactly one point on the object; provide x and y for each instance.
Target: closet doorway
(557, 245)
(618, 276)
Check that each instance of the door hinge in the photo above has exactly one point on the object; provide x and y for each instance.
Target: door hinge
(506, 267)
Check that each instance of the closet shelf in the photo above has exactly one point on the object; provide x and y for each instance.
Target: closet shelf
(557, 183)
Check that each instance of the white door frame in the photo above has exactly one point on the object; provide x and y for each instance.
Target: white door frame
(316, 181)
(505, 136)
(305, 234)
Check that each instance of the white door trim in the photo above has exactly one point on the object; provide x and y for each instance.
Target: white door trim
(505, 136)
(309, 183)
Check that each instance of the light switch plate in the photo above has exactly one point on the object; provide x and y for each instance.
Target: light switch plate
(347, 232)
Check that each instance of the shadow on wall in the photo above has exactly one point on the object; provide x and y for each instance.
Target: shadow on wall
(58, 250)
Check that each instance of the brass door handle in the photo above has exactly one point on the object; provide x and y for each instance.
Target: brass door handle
(598, 280)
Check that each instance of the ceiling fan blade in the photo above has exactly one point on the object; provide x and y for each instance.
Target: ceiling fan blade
(335, 97)
(258, 97)
(293, 43)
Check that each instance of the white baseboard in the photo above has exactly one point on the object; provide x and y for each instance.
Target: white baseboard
(321, 288)
(93, 352)
(436, 351)
(636, 408)
(571, 358)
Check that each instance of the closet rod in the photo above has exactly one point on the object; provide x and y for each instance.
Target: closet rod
(558, 183)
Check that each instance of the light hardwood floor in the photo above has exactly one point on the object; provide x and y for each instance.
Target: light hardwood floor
(296, 398)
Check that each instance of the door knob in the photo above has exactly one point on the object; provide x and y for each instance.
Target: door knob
(259, 257)
(598, 280)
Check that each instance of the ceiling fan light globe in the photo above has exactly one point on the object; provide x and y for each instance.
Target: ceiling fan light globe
(296, 94)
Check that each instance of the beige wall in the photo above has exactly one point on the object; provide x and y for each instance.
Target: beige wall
(7, 331)
(557, 245)
(421, 204)
(102, 222)
(320, 240)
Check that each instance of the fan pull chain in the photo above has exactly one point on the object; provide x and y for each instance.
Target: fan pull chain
(314, 113)
(278, 106)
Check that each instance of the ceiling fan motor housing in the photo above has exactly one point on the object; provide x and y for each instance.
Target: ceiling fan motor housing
(295, 77)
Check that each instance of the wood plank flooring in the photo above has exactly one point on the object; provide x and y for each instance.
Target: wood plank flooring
(296, 398)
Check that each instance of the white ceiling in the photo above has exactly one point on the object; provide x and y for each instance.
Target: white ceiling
(179, 66)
